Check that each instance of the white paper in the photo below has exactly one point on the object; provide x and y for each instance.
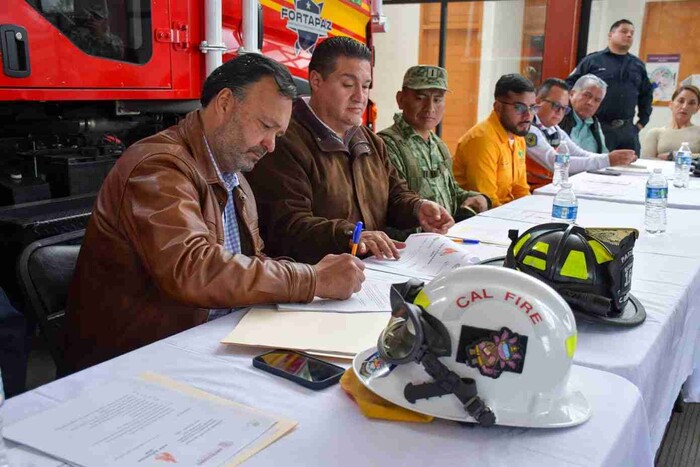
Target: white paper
(602, 186)
(530, 216)
(21, 456)
(603, 189)
(384, 276)
(373, 297)
(136, 423)
(425, 257)
(490, 235)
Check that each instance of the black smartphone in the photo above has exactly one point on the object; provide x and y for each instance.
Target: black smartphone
(299, 367)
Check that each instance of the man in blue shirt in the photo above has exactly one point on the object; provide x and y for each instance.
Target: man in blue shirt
(580, 123)
(628, 87)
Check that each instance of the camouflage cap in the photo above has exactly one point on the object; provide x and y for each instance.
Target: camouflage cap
(425, 77)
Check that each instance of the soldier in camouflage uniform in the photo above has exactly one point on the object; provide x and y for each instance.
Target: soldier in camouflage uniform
(94, 37)
(419, 155)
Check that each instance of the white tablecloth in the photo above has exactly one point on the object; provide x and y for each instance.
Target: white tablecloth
(629, 189)
(682, 237)
(657, 356)
(332, 430)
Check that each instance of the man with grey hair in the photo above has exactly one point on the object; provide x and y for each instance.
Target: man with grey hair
(581, 124)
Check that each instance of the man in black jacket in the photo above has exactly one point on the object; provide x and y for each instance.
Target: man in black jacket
(629, 88)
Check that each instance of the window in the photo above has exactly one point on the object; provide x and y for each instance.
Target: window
(114, 29)
(485, 39)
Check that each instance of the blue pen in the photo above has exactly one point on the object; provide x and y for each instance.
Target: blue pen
(467, 241)
(356, 237)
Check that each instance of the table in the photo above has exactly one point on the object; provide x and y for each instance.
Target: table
(629, 189)
(632, 376)
(681, 236)
(658, 355)
(332, 431)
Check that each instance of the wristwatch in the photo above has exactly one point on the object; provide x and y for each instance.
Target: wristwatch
(670, 156)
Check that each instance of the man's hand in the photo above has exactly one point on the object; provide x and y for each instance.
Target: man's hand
(621, 157)
(476, 203)
(379, 244)
(639, 126)
(434, 218)
(339, 276)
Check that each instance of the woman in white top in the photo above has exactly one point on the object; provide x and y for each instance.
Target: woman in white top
(662, 142)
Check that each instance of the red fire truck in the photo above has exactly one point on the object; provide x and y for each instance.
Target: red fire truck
(83, 78)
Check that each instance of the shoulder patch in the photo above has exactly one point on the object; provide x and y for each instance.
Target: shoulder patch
(531, 140)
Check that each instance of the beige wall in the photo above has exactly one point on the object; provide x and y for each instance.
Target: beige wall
(501, 42)
(395, 51)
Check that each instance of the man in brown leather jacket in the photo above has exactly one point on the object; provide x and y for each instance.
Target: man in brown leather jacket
(329, 172)
(173, 239)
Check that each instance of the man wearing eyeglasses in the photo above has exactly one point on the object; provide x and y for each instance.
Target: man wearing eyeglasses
(545, 136)
(490, 157)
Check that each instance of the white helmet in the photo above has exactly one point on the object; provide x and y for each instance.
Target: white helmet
(499, 340)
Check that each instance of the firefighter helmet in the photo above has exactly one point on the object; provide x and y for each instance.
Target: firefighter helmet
(478, 344)
(590, 268)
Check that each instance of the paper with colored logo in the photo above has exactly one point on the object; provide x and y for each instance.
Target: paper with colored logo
(152, 421)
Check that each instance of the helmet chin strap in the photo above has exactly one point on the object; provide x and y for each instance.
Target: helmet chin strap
(448, 382)
(437, 343)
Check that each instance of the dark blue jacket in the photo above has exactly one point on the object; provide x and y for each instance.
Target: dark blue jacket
(628, 84)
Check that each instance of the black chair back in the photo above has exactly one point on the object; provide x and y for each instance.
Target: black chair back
(45, 271)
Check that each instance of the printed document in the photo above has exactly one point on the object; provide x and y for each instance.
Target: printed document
(426, 256)
(373, 297)
(132, 422)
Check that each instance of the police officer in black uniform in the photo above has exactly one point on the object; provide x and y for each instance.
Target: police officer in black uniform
(628, 87)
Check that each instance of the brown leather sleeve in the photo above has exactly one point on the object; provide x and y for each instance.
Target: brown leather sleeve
(403, 203)
(284, 191)
(162, 217)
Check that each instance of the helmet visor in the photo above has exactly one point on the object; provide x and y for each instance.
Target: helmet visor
(400, 341)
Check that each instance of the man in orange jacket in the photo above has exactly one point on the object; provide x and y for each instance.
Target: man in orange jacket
(490, 157)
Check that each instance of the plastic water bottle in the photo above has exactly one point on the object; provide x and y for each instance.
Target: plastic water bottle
(655, 204)
(4, 462)
(565, 205)
(561, 164)
(683, 162)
